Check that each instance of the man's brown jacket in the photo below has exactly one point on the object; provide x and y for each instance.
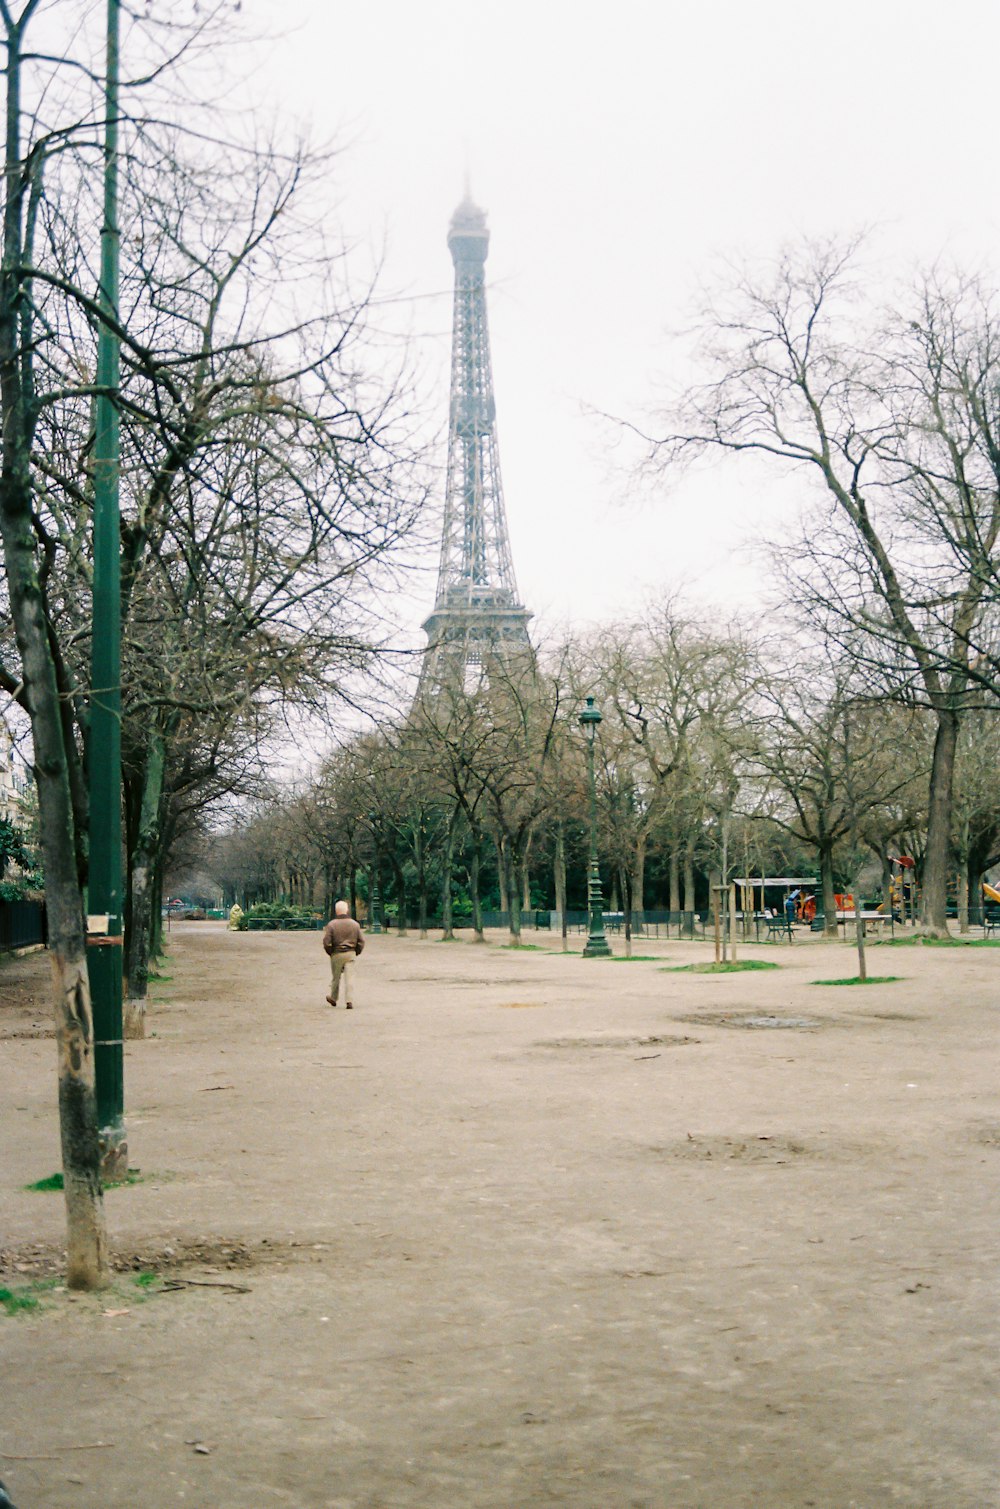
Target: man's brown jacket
(342, 935)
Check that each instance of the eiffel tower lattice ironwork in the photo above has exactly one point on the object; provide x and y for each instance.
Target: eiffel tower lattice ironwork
(477, 614)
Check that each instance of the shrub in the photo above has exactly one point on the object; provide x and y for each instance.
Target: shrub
(275, 916)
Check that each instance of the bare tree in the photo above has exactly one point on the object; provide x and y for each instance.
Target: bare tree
(896, 413)
(826, 760)
(261, 483)
(266, 481)
(36, 680)
(677, 694)
(977, 811)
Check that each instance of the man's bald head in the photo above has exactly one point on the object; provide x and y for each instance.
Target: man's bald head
(342, 909)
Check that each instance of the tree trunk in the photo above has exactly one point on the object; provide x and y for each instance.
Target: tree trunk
(87, 1255)
(513, 896)
(689, 899)
(501, 848)
(937, 856)
(627, 908)
(156, 912)
(477, 904)
(827, 888)
(142, 868)
(448, 932)
(963, 898)
(397, 870)
(87, 1242)
(674, 872)
(637, 882)
(559, 879)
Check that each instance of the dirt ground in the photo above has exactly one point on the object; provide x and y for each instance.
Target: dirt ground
(521, 1230)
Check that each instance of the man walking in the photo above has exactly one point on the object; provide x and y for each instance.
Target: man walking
(343, 941)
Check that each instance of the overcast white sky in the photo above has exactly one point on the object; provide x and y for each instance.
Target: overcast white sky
(617, 150)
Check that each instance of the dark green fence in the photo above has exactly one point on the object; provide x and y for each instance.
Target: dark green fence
(22, 924)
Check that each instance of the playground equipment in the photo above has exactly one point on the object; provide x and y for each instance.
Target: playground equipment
(903, 889)
(775, 912)
(991, 892)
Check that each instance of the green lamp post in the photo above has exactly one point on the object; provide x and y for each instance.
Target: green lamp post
(375, 900)
(104, 888)
(597, 943)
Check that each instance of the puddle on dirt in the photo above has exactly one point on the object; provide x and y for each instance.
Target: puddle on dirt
(444, 982)
(796, 1023)
(760, 1021)
(616, 1042)
(750, 1149)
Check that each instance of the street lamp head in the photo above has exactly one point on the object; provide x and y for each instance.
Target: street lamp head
(590, 717)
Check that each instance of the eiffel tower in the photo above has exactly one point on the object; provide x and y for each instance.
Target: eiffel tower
(477, 613)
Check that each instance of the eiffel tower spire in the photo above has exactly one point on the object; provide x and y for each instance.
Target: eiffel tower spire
(477, 612)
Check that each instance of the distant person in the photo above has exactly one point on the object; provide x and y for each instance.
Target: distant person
(343, 941)
(791, 901)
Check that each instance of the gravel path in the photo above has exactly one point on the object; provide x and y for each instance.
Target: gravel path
(521, 1230)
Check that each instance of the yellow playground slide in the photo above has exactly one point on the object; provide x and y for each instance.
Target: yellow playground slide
(991, 892)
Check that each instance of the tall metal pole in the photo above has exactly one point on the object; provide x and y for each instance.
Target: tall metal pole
(375, 899)
(597, 944)
(104, 891)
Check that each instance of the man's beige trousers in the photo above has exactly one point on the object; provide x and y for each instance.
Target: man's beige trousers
(342, 965)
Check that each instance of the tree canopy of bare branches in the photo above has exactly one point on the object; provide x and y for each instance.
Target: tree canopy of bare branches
(895, 412)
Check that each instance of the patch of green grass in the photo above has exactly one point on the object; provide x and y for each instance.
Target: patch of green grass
(522, 947)
(857, 980)
(635, 959)
(134, 1176)
(160, 979)
(141, 1288)
(55, 1181)
(726, 968)
(917, 940)
(20, 1301)
(16, 1302)
(44, 1186)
